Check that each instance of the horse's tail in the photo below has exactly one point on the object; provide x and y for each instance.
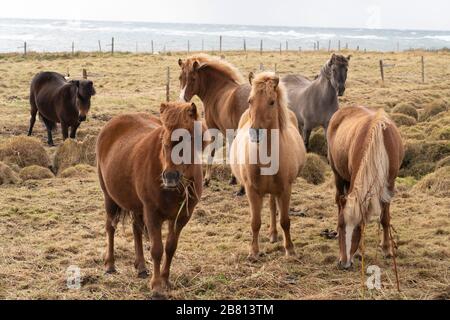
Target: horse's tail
(371, 184)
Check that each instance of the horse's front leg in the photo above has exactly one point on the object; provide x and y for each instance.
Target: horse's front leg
(255, 210)
(207, 178)
(73, 130)
(64, 130)
(171, 246)
(283, 203)
(154, 225)
(273, 219)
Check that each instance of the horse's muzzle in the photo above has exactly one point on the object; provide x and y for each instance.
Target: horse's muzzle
(171, 179)
(344, 266)
(341, 91)
(81, 118)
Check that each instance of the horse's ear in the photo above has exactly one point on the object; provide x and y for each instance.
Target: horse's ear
(196, 66)
(192, 111)
(349, 56)
(163, 107)
(332, 59)
(180, 62)
(251, 75)
(276, 82)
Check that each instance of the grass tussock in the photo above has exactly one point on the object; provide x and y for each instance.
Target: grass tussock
(436, 184)
(35, 173)
(24, 151)
(318, 143)
(314, 169)
(72, 152)
(401, 119)
(78, 171)
(433, 108)
(406, 109)
(7, 175)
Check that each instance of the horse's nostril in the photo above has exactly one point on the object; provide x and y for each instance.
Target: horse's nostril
(172, 175)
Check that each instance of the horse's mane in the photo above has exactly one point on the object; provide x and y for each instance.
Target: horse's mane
(370, 185)
(264, 81)
(217, 64)
(336, 59)
(175, 115)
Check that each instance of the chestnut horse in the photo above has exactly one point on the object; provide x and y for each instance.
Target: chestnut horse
(138, 177)
(219, 86)
(268, 114)
(59, 101)
(365, 151)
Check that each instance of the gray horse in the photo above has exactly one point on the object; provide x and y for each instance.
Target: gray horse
(315, 102)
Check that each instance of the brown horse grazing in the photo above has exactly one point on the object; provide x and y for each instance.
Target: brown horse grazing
(59, 101)
(268, 123)
(219, 85)
(315, 102)
(138, 176)
(365, 151)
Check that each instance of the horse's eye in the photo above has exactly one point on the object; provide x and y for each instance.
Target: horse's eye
(250, 101)
(271, 102)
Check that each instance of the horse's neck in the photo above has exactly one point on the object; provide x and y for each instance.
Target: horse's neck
(214, 87)
(326, 91)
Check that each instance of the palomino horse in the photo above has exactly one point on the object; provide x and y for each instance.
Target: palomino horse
(365, 151)
(315, 102)
(59, 100)
(218, 84)
(268, 110)
(138, 176)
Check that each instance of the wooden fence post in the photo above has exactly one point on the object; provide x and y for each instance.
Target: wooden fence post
(25, 48)
(188, 47)
(314, 46)
(275, 68)
(339, 45)
(112, 45)
(329, 45)
(168, 85)
(220, 45)
(203, 45)
(84, 74)
(280, 48)
(152, 47)
(318, 45)
(287, 45)
(73, 47)
(245, 46)
(261, 48)
(423, 69)
(99, 46)
(382, 70)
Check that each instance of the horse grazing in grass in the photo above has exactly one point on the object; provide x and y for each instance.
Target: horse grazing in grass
(268, 110)
(138, 176)
(365, 151)
(315, 102)
(59, 101)
(219, 86)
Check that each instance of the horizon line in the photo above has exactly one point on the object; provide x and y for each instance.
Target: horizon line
(229, 24)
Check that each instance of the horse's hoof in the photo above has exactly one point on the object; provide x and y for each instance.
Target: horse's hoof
(158, 295)
(252, 257)
(110, 270)
(290, 253)
(240, 193)
(143, 274)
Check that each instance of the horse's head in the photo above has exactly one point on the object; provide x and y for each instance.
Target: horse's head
(267, 101)
(349, 230)
(338, 68)
(177, 116)
(189, 78)
(85, 90)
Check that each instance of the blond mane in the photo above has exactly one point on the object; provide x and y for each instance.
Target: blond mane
(217, 64)
(264, 82)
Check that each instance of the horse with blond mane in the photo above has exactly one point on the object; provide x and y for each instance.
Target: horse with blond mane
(268, 123)
(139, 177)
(365, 151)
(219, 86)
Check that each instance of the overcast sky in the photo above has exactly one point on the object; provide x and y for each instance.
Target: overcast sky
(389, 14)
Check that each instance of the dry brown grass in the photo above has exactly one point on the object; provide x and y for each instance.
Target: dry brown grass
(35, 173)
(48, 225)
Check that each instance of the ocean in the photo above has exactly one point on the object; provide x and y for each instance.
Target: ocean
(58, 36)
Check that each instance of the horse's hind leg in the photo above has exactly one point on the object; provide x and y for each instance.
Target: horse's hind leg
(33, 112)
(112, 210)
(273, 219)
(283, 203)
(385, 219)
(49, 125)
(139, 263)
